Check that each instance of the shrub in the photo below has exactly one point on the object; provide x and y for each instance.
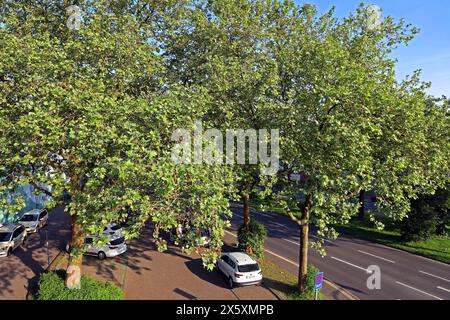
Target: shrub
(252, 239)
(421, 223)
(51, 287)
(309, 293)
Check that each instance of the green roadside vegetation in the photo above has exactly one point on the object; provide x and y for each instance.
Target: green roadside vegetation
(52, 288)
(437, 247)
(284, 283)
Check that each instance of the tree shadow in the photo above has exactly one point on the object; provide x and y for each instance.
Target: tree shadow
(214, 277)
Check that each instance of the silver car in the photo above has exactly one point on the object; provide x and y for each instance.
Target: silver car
(11, 237)
(113, 229)
(34, 220)
(114, 247)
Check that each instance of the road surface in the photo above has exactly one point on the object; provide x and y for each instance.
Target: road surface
(404, 276)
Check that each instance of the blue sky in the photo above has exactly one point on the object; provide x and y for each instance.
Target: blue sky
(429, 51)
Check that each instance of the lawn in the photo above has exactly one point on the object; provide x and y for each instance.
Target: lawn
(283, 283)
(437, 247)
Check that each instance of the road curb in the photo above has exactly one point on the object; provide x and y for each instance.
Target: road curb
(340, 289)
(29, 295)
(271, 291)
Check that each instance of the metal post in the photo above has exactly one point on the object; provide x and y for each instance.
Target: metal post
(46, 244)
(317, 291)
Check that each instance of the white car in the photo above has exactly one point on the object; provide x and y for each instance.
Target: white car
(240, 269)
(11, 237)
(34, 220)
(114, 247)
(113, 229)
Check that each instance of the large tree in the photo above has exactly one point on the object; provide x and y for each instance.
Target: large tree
(87, 111)
(352, 125)
(229, 47)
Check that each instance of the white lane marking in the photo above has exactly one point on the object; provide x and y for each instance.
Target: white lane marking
(372, 255)
(350, 264)
(296, 243)
(316, 237)
(443, 289)
(435, 276)
(280, 225)
(268, 251)
(428, 294)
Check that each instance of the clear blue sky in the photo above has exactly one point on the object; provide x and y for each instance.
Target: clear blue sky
(429, 51)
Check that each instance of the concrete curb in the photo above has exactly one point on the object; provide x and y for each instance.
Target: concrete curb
(341, 290)
(271, 291)
(28, 295)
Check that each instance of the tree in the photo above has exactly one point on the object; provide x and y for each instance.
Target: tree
(429, 216)
(343, 99)
(89, 113)
(223, 46)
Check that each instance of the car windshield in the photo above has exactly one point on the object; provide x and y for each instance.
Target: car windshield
(29, 217)
(117, 241)
(5, 236)
(115, 227)
(248, 268)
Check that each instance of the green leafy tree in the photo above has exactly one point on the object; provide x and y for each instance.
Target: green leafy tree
(223, 46)
(429, 216)
(343, 100)
(88, 112)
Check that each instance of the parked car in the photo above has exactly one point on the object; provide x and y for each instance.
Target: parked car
(113, 229)
(34, 220)
(240, 269)
(113, 248)
(11, 237)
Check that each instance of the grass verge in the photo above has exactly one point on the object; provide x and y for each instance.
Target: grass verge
(284, 284)
(52, 288)
(437, 247)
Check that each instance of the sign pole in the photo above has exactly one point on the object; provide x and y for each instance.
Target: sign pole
(318, 282)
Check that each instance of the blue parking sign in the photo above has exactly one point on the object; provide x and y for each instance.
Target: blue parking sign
(318, 280)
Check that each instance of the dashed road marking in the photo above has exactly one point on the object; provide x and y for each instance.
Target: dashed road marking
(412, 288)
(442, 288)
(435, 276)
(350, 264)
(375, 256)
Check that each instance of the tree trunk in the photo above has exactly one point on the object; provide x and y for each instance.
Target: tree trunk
(246, 202)
(73, 273)
(304, 229)
(362, 205)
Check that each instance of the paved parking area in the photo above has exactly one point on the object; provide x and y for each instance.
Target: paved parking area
(143, 272)
(146, 274)
(20, 271)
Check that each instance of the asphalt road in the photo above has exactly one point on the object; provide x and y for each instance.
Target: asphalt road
(404, 276)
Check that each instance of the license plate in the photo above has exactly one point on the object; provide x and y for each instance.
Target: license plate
(250, 277)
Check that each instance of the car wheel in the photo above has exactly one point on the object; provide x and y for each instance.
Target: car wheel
(101, 255)
(231, 282)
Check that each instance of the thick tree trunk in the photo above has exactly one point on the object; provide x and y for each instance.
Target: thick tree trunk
(362, 205)
(304, 229)
(246, 202)
(73, 273)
